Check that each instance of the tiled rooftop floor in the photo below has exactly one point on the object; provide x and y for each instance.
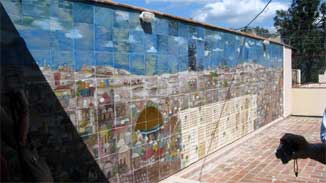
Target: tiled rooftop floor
(254, 159)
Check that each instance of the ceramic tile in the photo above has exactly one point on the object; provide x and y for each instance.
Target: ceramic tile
(81, 12)
(162, 26)
(103, 16)
(36, 8)
(104, 64)
(109, 166)
(103, 39)
(150, 64)
(83, 35)
(137, 64)
(162, 42)
(121, 19)
(173, 28)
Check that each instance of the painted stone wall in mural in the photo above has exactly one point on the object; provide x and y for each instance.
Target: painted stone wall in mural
(148, 103)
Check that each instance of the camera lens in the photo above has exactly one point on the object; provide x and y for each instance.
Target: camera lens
(281, 154)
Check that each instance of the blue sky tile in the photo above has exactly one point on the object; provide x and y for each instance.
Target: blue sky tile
(104, 59)
(121, 46)
(84, 58)
(83, 35)
(82, 12)
(201, 32)
(210, 45)
(121, 61)
(36, 8)
(62, 58)
(215, 58)
(61, 10)
(162, 64)
(121, 19)
(183, 30)
(103, 16)
(36, 39)
(136, 41)
(13, 8)
(120, 34)
(192, 31)
(173, 46)
(200, 63)
(42, 57)
(162, 26)
(150, 43)
(200, 48)
(137, 64)
(181, 45)
(150, 64)
(162, 41)
(134, 21)
(173, 28)
(182, 63)
(103, 38)
(28, 23)
(207, 62)
(173, 64)
(60, 41)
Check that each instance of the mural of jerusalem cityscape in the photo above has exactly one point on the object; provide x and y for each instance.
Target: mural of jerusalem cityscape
(149, 99)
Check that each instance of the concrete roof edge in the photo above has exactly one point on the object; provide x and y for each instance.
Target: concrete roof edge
(109, 2)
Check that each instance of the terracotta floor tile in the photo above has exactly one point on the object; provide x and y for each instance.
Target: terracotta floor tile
(255, 161)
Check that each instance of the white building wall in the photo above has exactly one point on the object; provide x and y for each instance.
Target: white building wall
(287, 83)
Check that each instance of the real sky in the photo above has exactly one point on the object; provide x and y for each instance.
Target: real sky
(225, 13)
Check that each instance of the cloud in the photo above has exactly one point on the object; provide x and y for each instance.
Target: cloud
(152, 50)
(237, 13)
(48, 24)
(197, 38)
(247, 45)
(218, 50)
(138, 28)
(122, 15)
(74, 34)
(180, 40)
(132, 39)
(251, 43)
(215, 37)
(109, 44)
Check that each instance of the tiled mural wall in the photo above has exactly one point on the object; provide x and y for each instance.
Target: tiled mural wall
(149, 100)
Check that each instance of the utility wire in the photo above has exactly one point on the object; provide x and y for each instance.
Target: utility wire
(226, 99)
(255, 16)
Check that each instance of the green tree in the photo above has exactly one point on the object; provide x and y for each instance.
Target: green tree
(303, 27)
(260, 31)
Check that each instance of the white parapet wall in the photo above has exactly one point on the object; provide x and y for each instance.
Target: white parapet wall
(322, 78)
(308, 101)
(287, 83)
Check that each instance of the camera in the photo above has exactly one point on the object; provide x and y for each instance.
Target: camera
(284, 152)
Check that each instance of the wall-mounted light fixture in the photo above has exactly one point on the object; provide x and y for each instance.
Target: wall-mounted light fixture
(147, 17)
(266, 42)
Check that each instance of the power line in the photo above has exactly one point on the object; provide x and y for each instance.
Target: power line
(256, 15)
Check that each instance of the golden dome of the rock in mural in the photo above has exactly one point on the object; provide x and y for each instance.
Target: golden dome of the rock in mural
(149, 119)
